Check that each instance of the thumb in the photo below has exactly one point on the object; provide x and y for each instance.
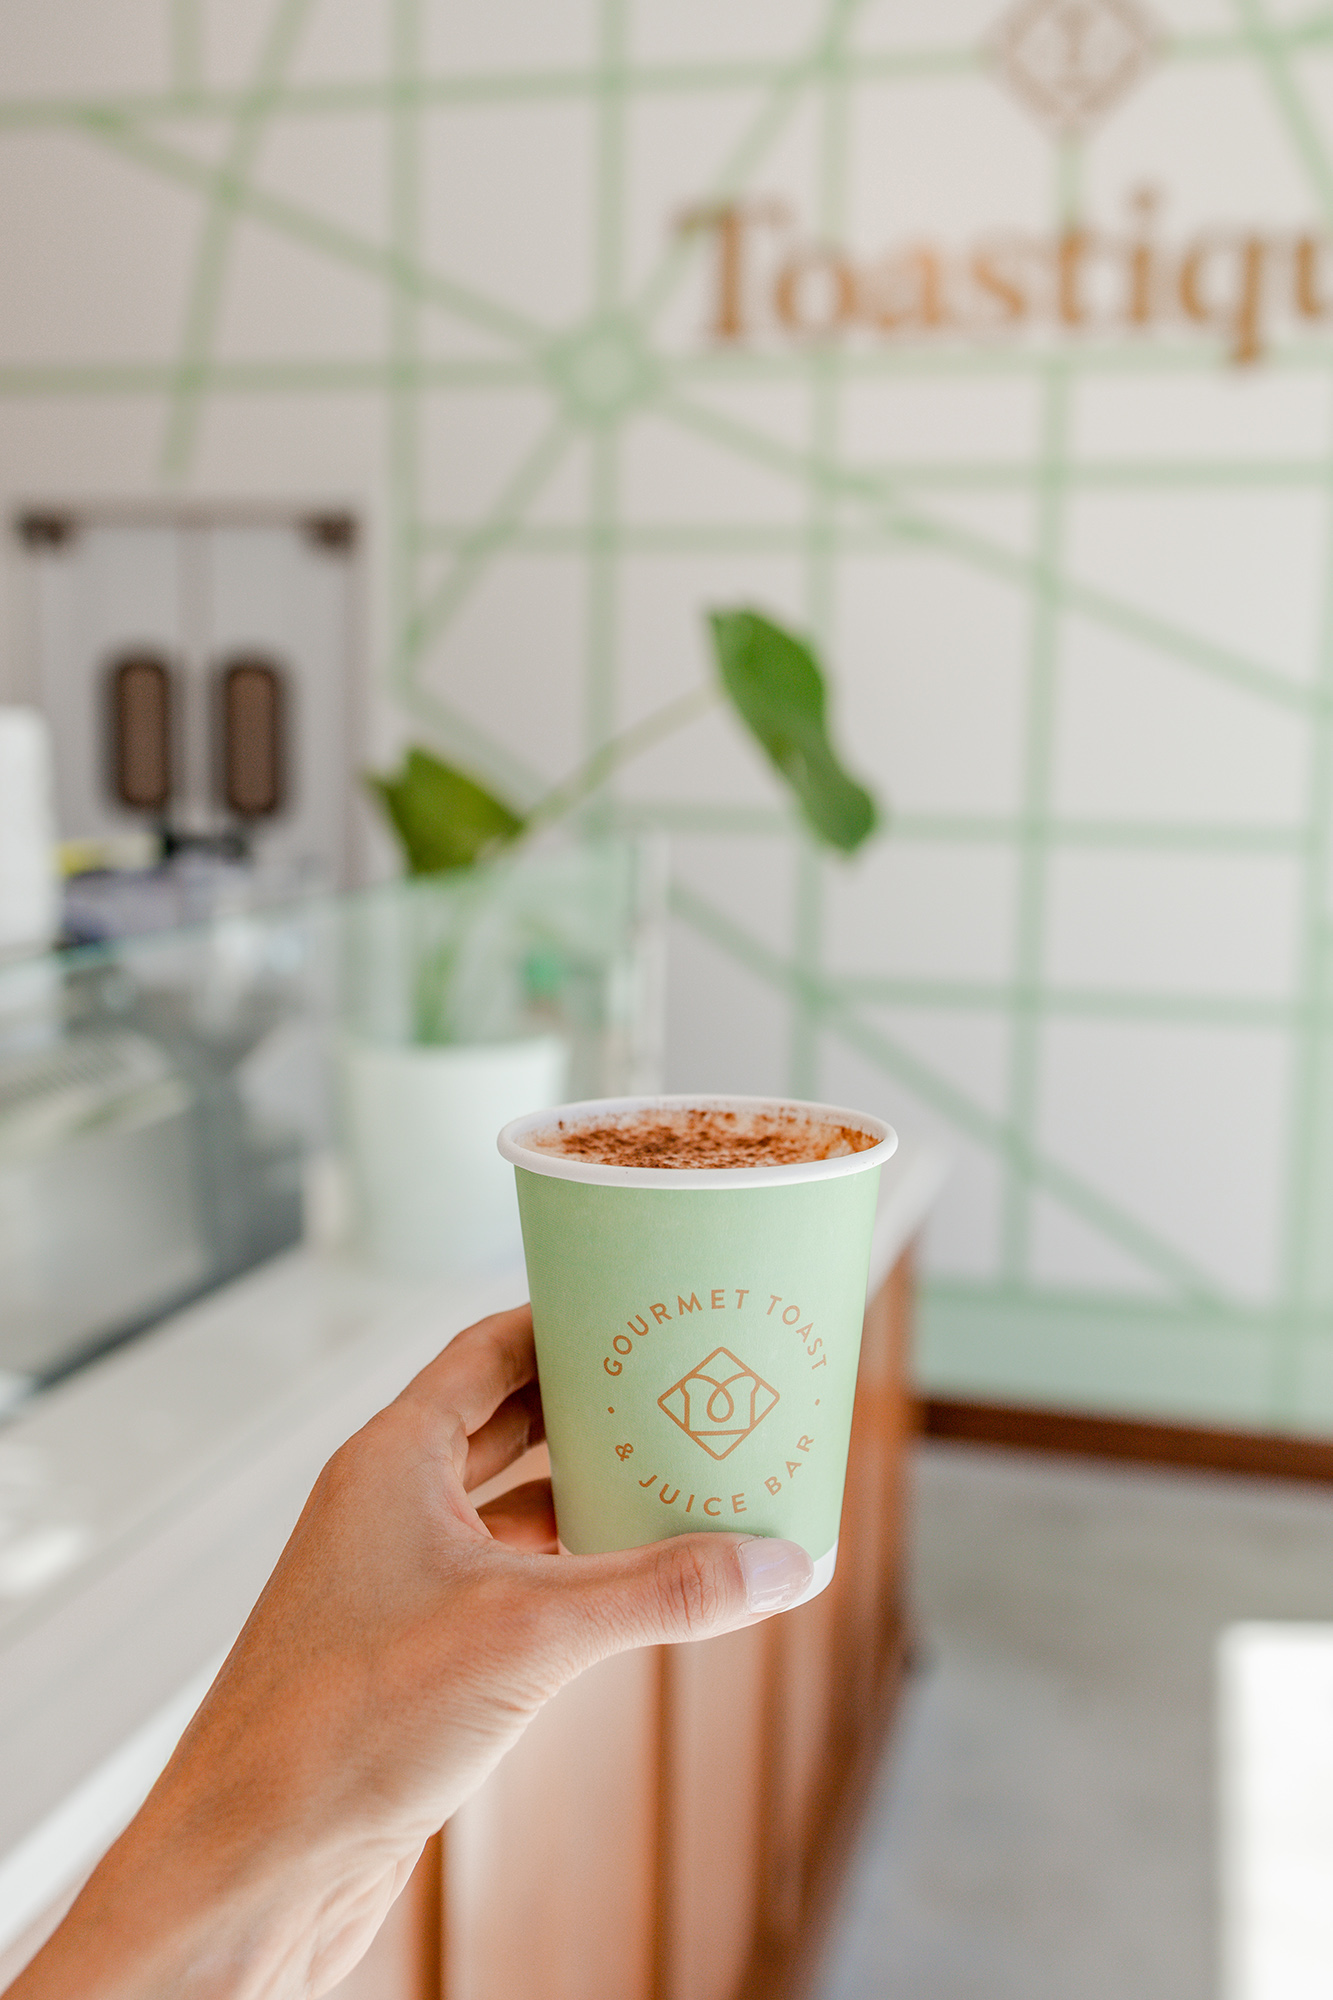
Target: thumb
(690, 1587)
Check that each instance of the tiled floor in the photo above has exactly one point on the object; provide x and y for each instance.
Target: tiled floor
(1046, 1824)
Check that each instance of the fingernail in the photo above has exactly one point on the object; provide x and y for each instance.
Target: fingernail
(776, 1573)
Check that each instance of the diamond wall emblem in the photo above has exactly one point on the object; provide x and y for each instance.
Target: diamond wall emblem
(1070, 61)
(719, 1402)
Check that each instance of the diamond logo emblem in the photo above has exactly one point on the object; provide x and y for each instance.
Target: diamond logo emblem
(719, 1402)
(1070, 61)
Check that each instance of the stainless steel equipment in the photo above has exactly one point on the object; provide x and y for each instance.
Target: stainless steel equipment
(101, 1224)
(157, 1102)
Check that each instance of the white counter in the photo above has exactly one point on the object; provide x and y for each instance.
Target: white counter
(143, 1503)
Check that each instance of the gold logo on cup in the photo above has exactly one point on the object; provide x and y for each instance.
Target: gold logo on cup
(719, 1402)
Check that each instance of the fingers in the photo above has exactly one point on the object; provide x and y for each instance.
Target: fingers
(516, 1426)
(480, 1368)
(524, 1518)
(692, 1587)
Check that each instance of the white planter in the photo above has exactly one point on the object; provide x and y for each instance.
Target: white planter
(432, 1194)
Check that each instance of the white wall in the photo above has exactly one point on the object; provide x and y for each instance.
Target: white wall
(1052, 489)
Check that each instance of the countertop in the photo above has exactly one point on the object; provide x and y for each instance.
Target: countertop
(143, 1503)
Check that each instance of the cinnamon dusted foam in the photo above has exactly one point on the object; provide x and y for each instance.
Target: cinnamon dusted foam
(701, 1136)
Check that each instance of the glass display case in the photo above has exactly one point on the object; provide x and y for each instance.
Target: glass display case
(163, 1097)
(158, 1100)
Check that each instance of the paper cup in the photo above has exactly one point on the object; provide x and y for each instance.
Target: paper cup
(698, 1332)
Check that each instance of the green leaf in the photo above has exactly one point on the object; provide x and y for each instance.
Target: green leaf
(774, 682)
(443, 818)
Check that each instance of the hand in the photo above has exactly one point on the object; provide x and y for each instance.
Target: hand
(402, 1644)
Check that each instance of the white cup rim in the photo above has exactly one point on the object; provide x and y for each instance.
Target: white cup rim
(558, 1166)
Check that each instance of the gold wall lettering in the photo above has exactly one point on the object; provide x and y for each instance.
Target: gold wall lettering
(1238, 284)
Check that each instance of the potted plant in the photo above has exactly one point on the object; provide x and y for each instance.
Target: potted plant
(458, 1046)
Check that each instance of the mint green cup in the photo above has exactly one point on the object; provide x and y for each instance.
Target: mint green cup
(698, 1332)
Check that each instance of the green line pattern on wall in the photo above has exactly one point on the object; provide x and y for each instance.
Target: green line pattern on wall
(1181, 1336)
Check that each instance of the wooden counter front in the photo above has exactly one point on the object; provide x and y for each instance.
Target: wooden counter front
(674, 1826)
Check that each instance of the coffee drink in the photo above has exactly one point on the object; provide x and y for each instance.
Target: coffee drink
(703, 1136)
(697, 1333)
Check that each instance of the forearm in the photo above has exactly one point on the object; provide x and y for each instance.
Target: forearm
(179, 1909)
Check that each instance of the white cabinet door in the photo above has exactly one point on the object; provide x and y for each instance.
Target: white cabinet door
(201, 597)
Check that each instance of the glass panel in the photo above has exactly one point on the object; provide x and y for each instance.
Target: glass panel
(566, 940)
(158, 1099)
(161, 1097)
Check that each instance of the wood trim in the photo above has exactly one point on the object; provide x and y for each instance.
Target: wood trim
(667, 1705)
(787, 1956)
(787, 1969)
(429, 1876)
(1189, 1447)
